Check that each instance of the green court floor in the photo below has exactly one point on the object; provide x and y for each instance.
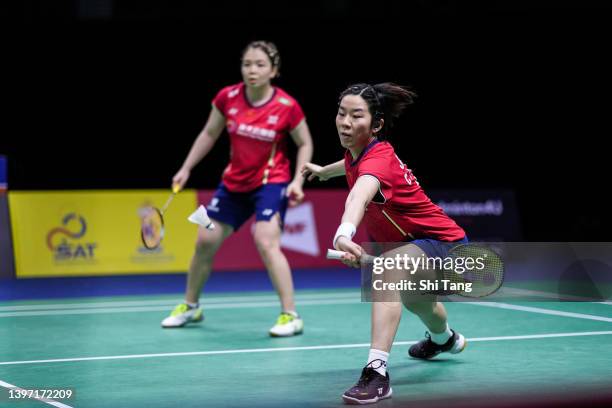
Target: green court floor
(113, 353)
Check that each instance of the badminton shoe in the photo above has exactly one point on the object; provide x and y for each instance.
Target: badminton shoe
(426, 348)
(371, 387)
(287, 324)
(181, 315)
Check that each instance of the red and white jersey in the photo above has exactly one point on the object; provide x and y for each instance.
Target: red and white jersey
(400, 211)
(258, 137)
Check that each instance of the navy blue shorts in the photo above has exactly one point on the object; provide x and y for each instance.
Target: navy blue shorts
(434, 248)
(236, 208)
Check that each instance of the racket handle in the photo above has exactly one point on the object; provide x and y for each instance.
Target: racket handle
(333, 254)
(168, 201)
(337, 255)
(176, 188)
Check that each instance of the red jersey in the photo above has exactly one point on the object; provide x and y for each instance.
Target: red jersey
(400, 211)
(258, 137)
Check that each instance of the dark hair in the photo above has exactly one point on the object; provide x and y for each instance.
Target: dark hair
(269, 48)
(385, 101)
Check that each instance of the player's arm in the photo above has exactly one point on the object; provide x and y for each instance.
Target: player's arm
(361, 194)
(303, 140)
(311, 170)
(202, 145)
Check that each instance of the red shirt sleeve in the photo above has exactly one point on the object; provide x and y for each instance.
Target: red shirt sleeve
(220, 100)
(295, 116)
(378, 165)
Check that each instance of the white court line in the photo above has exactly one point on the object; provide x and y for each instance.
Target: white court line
(141, 305)
(546, 295)
(303, 348)
(540, 311)
(172, 302)
(209, 300)
(45, 400)
(243, 305)
(323, 299)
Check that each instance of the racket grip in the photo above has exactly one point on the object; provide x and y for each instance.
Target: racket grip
(176, 188)
(333, 254)
(337, 255)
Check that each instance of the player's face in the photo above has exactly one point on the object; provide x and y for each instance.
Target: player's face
(354, 122)
(256, 68)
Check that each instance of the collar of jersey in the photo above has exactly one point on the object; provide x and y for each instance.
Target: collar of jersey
(364, 151)
(244, 95)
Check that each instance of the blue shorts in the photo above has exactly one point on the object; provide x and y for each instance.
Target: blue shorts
(235, 208)
(434, 248)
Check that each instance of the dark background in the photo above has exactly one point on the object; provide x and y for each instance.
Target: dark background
(513, 94)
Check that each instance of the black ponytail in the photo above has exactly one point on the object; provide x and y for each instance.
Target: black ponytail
(385, 101)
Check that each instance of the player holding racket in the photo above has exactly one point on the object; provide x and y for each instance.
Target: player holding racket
(258, 117)
(387, 197)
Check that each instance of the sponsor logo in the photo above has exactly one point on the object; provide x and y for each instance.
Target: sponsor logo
(284, 101)
(65, 242)
(213, 206)
(300, 232)
(459, 208)
(255, 132)
(231, 126)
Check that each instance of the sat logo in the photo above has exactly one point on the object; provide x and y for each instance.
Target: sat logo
(60, 240)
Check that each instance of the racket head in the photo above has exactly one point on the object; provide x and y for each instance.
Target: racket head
(486, 277)
(152, 228)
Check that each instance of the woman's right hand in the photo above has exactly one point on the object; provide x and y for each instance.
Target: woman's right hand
(180, 178)
(353, 252)
(311, 170)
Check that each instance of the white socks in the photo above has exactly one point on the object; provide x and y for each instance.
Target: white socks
(380, 367)
(441, 338)
(192, 305)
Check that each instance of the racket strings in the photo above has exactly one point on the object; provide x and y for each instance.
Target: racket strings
(487, 274)
(152, 222)
(152, 228)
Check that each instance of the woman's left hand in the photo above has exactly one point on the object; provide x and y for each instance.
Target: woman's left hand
(295, 193)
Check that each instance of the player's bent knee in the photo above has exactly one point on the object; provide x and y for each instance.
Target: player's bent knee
(208, 242)
(203, 245)
(267, 239)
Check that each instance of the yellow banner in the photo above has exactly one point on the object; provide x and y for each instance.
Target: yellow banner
(88, 233)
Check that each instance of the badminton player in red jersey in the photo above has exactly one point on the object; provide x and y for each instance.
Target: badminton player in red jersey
(387, 197)
(259, 118)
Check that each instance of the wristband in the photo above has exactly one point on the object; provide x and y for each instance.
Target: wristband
(346, 229)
